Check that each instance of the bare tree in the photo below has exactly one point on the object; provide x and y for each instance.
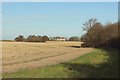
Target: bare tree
(99, 35)
(89, 24)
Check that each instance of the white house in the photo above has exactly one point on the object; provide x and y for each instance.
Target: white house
(60, 39)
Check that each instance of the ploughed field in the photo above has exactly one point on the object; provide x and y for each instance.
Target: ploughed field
(18, 56)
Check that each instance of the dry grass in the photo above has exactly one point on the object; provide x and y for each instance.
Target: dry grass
(24, 55)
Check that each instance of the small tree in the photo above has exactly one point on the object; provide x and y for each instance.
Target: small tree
(45, 38)
(20, 38)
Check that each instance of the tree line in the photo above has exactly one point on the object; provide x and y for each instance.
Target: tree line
(98, 35)
(32, 38)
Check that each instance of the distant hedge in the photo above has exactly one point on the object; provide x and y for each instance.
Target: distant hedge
(74, 38)
(31, 38)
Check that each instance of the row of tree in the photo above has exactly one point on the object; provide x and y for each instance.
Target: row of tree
(32, 38)
(98, 35)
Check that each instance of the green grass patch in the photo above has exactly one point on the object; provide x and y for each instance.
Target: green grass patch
(97, 64)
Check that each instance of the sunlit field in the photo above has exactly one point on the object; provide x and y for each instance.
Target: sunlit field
(25, 55)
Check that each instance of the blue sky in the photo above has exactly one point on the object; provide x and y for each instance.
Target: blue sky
(53, 18)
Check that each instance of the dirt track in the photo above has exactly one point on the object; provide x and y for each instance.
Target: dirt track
(20, 55)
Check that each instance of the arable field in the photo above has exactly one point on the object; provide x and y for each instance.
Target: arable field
(96, 64)
(19, 56)
(57, 60)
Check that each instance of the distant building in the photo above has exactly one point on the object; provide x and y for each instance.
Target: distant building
(57, 38)
(60, 39)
